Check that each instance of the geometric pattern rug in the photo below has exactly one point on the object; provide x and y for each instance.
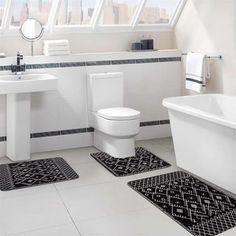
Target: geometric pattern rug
(33, 173)
(195, 205)
(143, 161)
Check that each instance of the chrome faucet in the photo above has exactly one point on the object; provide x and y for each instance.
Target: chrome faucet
(18, 68)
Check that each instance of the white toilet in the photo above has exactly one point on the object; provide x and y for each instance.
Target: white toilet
(114, 126)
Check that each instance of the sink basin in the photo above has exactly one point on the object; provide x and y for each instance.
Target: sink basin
(27, 83)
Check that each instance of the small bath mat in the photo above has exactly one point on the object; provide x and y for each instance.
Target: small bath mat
(32, 173)
(198, 207)
(143, 161)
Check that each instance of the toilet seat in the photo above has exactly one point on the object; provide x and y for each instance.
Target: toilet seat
(119, 113)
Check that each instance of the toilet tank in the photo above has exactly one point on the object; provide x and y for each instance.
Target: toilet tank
(105, 90)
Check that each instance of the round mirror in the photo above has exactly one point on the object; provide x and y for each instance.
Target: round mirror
(31, 30)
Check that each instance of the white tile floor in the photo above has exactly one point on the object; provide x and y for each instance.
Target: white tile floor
(96, 204)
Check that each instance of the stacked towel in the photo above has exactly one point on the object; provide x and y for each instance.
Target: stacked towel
(197, 71)
(56, 47)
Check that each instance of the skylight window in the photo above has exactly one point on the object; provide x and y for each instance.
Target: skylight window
(76, 12)
(118, 12)
(75, 16)
(24, 9)
(158, 11)
(2, 6)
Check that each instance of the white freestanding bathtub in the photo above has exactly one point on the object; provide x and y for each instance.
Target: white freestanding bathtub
(204, 135)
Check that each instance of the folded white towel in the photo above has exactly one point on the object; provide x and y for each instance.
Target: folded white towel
(197, 71)
(57, 48)
(2, 55)
(53, 43)
(56, 53)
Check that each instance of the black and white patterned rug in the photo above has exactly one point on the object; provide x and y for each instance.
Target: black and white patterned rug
(32, 173)
(143, 161)
(198, 207)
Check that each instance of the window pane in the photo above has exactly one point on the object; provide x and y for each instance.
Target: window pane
(76, 12)
(158, 11)
(23, 9)
(118, 12)
(2, 2)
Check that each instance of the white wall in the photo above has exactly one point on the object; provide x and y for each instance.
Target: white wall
(83, 43)
(145, 87)
(208, 26)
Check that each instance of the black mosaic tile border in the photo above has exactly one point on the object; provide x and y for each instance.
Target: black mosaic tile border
(150, 123)
(84, 130)
(120, 62)
(45, 134)
(164, 122)
(95, 63)
(168, 59)
(3, 139)
(154, 122)
(62, 132)
(148, 60)
(74, 131)
(71, 64)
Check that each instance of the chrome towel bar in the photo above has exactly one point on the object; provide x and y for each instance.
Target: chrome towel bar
(210, 57)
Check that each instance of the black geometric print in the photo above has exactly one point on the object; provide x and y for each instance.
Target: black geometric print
(143, 161)
(198, 207)
(33, 173)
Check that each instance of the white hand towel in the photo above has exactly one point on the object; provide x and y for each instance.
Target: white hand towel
(56, 53)
(57, 48)
(2, 55)
(197, 71)
(53, 43)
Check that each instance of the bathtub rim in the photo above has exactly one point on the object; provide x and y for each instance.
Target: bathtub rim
(171, 104)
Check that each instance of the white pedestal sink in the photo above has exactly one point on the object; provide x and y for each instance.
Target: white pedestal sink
(18, 89)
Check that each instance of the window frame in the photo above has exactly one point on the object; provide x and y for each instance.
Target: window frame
(5, 17)
(8, 29)
(97, 9)
(162, 27)
(129, 26)
(94, 25)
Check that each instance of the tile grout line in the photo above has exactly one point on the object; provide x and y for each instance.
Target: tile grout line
(68, 212)
(129, 212)
(36, 229)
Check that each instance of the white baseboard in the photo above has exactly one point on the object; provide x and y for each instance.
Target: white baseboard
(152, 132)
(61, 142)
(3, 149)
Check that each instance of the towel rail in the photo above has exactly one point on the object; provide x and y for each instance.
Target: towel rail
(209, 57)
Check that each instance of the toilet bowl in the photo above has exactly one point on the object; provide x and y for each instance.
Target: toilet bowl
(115, 126)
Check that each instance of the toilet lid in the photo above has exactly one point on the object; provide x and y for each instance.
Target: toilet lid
(119, 113)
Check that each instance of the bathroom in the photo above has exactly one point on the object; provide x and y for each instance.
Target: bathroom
(52, 114)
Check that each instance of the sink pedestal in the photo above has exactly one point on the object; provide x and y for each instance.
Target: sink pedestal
(18, 126)
(18, 89)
